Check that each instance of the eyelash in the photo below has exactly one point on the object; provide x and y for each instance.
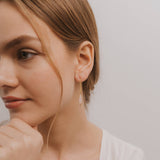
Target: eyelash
(26, 52)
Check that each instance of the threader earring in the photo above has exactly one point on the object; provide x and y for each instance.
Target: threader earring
(80, 96)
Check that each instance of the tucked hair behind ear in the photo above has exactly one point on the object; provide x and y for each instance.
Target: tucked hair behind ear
(74, 22)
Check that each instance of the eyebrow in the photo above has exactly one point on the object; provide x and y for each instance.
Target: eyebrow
(19, 40)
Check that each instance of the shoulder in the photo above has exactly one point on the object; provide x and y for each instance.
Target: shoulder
(118, 149)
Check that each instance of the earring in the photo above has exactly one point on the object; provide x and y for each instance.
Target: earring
(80, 96)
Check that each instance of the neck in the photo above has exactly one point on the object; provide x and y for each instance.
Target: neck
(67, 129)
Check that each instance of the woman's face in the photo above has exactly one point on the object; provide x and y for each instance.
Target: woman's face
(25, 71)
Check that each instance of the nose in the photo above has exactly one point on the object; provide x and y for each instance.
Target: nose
(8, 76)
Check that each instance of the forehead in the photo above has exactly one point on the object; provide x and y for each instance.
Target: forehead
(13, 23)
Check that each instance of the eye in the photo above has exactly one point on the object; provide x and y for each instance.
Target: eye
(25, 54)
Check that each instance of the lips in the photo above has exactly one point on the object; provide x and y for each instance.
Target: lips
(13, 102)
(12, 99)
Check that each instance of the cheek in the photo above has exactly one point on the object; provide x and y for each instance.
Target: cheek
(44, 87)
(68, 83)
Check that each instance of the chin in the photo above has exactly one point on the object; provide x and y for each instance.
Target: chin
(32, 119)
(29, 120)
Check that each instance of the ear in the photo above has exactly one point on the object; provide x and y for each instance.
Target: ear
(84, 61)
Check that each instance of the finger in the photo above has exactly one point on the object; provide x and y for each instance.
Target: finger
(5, 139)
(3, 153)
(11, 132)
(21, 126)
(26, 129)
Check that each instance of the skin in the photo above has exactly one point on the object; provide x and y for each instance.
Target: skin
(73, 137)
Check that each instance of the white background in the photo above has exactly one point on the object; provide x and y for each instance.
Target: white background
(126, 100)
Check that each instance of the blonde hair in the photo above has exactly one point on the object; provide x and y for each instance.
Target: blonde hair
(73, 22)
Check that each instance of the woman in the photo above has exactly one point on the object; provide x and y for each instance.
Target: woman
(47, 92)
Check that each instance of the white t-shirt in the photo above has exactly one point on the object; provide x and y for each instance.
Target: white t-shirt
(113, 148)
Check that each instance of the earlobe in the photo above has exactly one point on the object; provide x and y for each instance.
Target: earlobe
(85, 61)
(78, 77)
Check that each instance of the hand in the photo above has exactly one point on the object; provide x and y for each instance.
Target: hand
(19, 141)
